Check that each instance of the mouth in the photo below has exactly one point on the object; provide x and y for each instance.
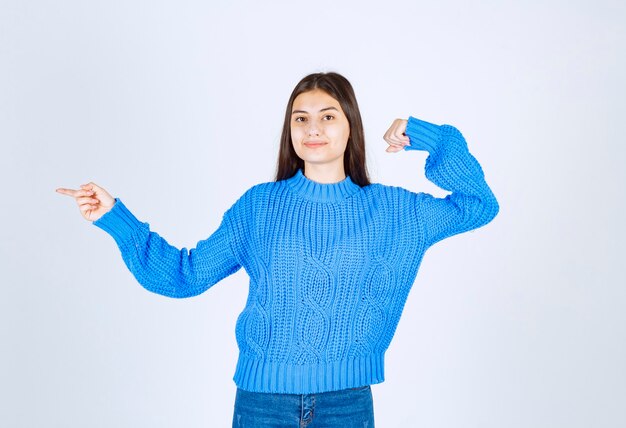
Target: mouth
(313, 144)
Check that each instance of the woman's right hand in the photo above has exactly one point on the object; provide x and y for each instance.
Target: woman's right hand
(93, 201)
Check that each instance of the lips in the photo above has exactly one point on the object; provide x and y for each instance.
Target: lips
(313, 144)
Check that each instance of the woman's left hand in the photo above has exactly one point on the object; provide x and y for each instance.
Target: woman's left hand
(395, 136)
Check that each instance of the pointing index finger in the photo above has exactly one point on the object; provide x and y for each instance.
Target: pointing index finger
(68, 192)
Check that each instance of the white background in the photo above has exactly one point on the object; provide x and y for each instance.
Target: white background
(176, 108)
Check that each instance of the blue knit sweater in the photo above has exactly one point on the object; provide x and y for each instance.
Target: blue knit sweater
(330, 265)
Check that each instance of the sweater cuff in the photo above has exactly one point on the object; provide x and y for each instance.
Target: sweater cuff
(118, 222)
(422, 135)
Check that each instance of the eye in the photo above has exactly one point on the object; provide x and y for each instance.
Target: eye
(298, 119)
(330, 116)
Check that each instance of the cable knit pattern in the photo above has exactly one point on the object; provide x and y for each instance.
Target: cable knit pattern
(330, 265)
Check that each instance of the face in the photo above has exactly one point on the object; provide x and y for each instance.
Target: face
(319, 129)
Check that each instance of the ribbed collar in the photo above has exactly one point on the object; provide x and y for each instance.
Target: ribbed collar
(322, 192)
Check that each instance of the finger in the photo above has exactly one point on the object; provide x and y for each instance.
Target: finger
(392, 138)
(393, 149)
(387, 133)
(397, 134)
(404, 141)
(86, 206)
(397, 142)
(68, 192)
(400, 130)
(400, 139)
(91, 186)
(85, 209)
(392, 130)
(401, 136)
(75, 193)
(85, 192)
(87, 200)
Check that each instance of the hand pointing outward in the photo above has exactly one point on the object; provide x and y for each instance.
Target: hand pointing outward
(93, 201)
(395, 136)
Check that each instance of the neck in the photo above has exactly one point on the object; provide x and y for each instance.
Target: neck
(324, 173)
(321, 192)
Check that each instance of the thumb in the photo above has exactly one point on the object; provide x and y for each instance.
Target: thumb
(392, 149)
(91, 186)
(94, 187)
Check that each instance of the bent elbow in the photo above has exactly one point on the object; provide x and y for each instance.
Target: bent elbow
(169, 283)
(175, 290)
(489, 208)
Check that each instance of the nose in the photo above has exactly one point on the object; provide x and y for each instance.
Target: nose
(314, 129)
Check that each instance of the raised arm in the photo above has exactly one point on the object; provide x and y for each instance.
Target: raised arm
(162, 268)
(451, 167)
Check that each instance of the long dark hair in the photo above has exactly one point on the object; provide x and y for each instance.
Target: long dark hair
(338, 87)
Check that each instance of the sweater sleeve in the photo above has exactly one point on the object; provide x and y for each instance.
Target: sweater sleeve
(451, 167)
(163, 269)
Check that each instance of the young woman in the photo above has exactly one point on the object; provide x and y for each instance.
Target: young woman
(331, 257)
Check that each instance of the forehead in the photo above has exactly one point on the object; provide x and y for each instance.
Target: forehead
(314, 100)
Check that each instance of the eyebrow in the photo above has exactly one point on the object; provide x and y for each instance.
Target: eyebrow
(306, 112)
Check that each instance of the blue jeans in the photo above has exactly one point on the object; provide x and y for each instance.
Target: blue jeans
(346, 408)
